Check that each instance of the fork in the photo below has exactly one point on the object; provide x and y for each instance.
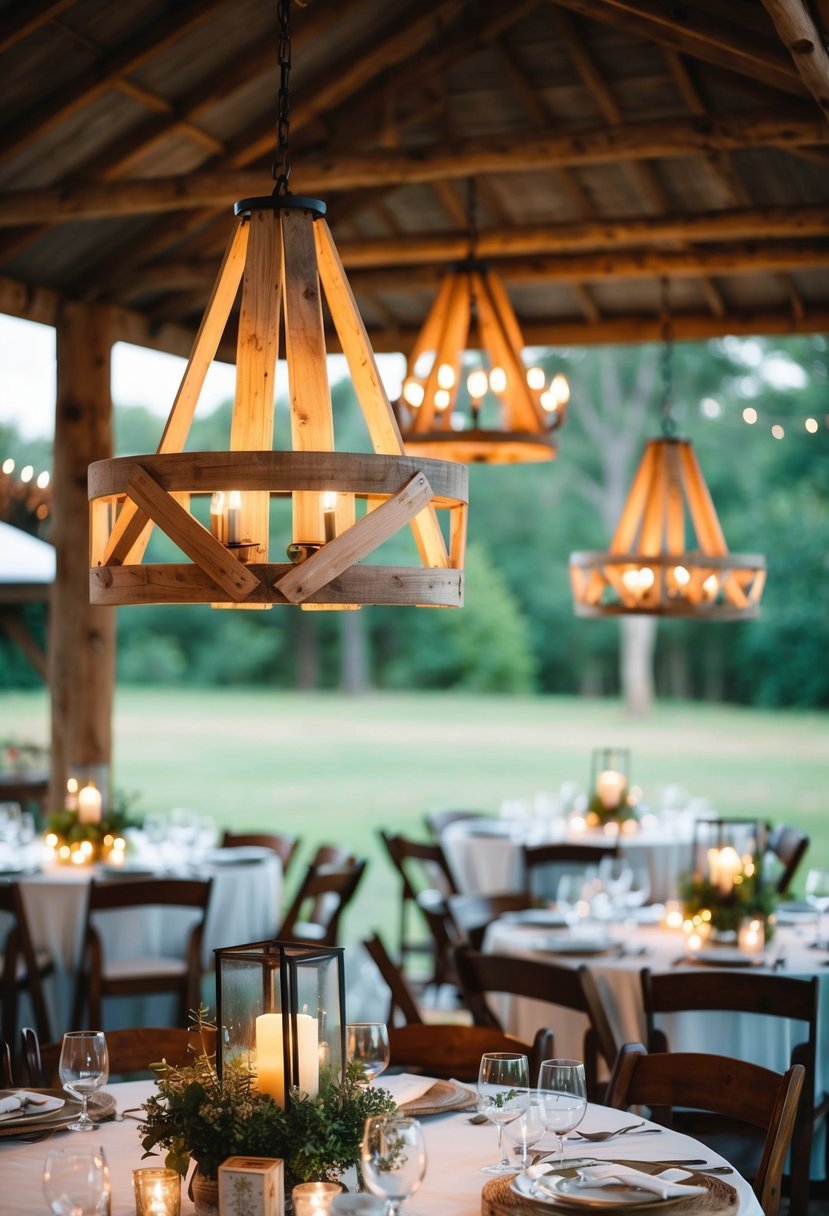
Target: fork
(599, 1137)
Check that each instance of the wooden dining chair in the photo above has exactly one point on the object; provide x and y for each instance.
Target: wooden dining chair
(422, 868)
(764, 995)
(131, 1052)
(485, 975)
(285, 847)
(447, 1050)
(746, 1093)
(320, 900)
(559, 855)
(473, 914)
(787, 845)
(6, 1067)
(402, 997)
(99, 977)
(23, 968)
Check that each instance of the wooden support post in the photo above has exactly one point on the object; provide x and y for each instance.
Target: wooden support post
(81, 637)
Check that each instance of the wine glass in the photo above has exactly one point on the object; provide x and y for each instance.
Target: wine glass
(75, 1183)
(368, 1042)
(392, 1158)
(502, 1077)
(817, 894)
(529, 1127)
(563, 1090)
(83, 1068)
(616, 877)
(571, 898)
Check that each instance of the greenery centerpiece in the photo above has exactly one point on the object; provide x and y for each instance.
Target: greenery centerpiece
(197, 1116)
(611, 801)
(76, 837)
(732, 891)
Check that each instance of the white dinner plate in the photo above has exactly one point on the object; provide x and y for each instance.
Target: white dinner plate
(241, 855)
(126, 871)
(539, 918)
(723, 956)
(795, 913)
(562, 1193)
(576, 945)
(47, 1103)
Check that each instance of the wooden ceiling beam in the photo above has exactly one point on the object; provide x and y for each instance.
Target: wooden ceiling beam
(134, 52)
(692, 32)
(513, 153)
(802, 40)
(25, 19)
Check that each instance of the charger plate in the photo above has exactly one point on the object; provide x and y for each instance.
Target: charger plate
(504, 1196)
(101, 1107)
(444, 1096)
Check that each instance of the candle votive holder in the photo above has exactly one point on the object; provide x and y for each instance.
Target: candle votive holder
(314, 1198)
(157, 1192)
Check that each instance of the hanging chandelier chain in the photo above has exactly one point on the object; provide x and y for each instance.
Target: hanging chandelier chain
(281, 169)
(667, 356)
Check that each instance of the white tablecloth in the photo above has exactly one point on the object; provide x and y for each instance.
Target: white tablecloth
(763, 1040)
(486, 857)
(455, 1152)
(244, 907)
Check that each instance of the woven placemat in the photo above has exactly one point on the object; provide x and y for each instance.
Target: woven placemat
(443, 1097)
(497, 1199)
(101, 1107)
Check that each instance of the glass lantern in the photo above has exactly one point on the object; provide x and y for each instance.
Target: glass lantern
(281, 1013)
(610, 778)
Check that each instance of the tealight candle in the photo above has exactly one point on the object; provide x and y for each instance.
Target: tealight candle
(751, 937)
(314, 1198)
(157, 1192)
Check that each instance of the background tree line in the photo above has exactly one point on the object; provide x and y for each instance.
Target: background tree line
(517, 632)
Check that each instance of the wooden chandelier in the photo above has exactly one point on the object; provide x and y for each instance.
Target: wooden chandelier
(471, 296)
(648, 571)
(282, 252)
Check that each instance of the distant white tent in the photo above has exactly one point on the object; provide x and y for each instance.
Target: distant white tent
(23, 558)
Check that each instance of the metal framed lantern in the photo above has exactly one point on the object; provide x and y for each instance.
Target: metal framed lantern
(610, 778)
(281, 1013)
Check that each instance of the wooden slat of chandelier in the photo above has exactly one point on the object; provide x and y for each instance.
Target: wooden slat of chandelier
(648, 570)
(525, 430)
(282, 252)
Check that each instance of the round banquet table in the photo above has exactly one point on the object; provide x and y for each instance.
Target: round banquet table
(455, 1152)
(762, 1040)
(486, 855)
(244, 907)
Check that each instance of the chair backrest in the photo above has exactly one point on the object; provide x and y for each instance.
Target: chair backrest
(285, 847)
(473, 914)
(448, 1050)
(18, 949)
(332, 855)
(573, 988)
(131, 1052)
(437, 821)
(402, 997)
(736, 1089)
(559, 855)
(150, 892)
(788, 844)
(422, 868)
(6, 1069)
(321, 899)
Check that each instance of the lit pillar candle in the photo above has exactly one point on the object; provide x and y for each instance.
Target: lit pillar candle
(270, 1070)
(329, 514)
(610, 786)
(90, 804)
(729, 866)
(234, 517)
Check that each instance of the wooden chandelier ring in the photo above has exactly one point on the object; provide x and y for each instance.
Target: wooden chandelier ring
(482, 446)
(594, 559)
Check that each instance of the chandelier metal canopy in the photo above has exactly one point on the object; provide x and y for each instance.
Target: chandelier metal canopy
(344, 505)
(650, 569)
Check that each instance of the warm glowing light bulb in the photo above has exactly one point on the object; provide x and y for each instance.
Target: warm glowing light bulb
(413, 393)
(8, 465)
(477, 383)
(442, 399)
(560, 388)
(711, 586)
(27, 473)
(329, 500)
(638, 581)
(497, 379)
(536, 377)
(548, 401)
(811, 425)
(777, 431)
(446, 376)
(42, 480)
(681, 576)
(750, 415)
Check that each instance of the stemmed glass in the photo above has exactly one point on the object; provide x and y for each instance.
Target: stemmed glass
(75, 1183)
(83, 1069)
(529, 1127)
(562, 1088)
(817, 894)
(392, 1158)
(503, 1077)
(368, 1042)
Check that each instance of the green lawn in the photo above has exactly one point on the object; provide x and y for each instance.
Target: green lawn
(329, 768)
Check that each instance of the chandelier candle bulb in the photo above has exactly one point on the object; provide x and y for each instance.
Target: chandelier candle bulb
(90, 804)
(269, 1055)
(234, 518)
(329, 514)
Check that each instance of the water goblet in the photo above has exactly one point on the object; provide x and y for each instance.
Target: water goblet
(76, 1182)
(563, 1090)
(503, 1077)
(83, 1069)
(817, 894)
(368, 1042)
(392, 1158)
(529, 1127)
(571, 898)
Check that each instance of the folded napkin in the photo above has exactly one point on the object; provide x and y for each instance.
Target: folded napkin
(667, 1185)
(13, 1103)
(406, 1086)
